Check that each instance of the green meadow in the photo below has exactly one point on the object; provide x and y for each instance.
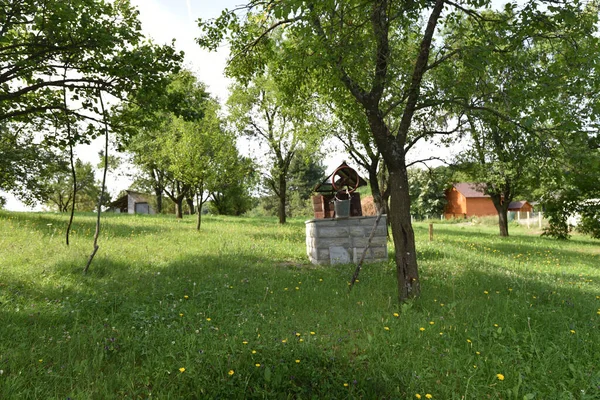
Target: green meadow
(236, 311)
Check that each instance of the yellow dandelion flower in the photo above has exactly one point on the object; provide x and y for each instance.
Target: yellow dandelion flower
(598, 312)
(387, 328)
(421, 329)
(474, 366)
(301, 340)
(510, 289)
(572, 331)
(418, 396)
(441, 304)
(441, 333)
(500, 377)
(284, 341)
(284, 288)
(320, 279)
(257, 365)
(429, 396)
(485, 292)
(186, 297)
(469, 341)
(297, 288)
(297, 361)
(253, 351)
(181, 314)
(477, 352)
(245, 342)
(208, 319)
(181, 369)
(396, 314)
(231, 372)
(298, 333)
(495, 325)
(41, 360)
(345, 384)
(431, 323)
(312, 333)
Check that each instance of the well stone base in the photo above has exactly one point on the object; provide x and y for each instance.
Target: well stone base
(343, 240)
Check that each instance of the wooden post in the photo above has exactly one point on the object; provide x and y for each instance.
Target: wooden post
(431, 232)
(527, 219)
(540, 220)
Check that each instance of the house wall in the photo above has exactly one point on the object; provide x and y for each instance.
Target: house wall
(480, 206)
(130, 205)
(526, 208)
(456, 206)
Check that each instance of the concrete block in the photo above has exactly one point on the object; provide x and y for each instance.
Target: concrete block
(357, 231)
(333, 232)
(325, 243)
(362, 241)
(338, 255)
(380, 253)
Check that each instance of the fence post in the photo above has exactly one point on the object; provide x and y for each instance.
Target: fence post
(527, 219)
(431, 232)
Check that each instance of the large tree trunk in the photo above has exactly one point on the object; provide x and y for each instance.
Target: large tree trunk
(378, 198)
(407, 270)
(179, 207)
(282, 198)
(190, 203)
(158, 194)
(502, 209)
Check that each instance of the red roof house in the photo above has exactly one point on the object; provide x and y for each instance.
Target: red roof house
(468, 200)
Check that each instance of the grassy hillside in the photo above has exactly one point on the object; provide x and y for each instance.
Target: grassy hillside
(236, 311)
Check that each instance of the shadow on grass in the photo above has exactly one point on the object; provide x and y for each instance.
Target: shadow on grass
(111, 224)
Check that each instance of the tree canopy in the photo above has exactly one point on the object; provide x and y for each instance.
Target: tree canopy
(383, 54)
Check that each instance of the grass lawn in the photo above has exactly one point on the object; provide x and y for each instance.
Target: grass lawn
(236, 311)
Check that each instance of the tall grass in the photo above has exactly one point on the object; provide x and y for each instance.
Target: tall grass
(235, 311)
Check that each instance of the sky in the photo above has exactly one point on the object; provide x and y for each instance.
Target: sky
(165, 20)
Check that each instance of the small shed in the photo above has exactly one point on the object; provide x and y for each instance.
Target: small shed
(468, 200)
(132, 203)
(521, 206)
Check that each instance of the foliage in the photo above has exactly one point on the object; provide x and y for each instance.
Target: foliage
(50, 45)
(25, 163)
(427, 190)
(524, 307)
(57, 57)
(513, 114)
(58, 188)
(283, 124)
(590, 220)
(231, 192)
(177, 147)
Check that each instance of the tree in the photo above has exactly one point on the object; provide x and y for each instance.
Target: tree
(58, 188)
(261, 111)
(39, 40)
(511, 116)
(24, 162)
(231, 193)
(55, 59)
(376, 51)
(355, 47)
(427, 190)
(198, 153)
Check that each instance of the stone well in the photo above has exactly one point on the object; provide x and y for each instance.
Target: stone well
(343, 240)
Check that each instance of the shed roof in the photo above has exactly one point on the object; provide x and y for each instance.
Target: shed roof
(471, 190)
(516, 204)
